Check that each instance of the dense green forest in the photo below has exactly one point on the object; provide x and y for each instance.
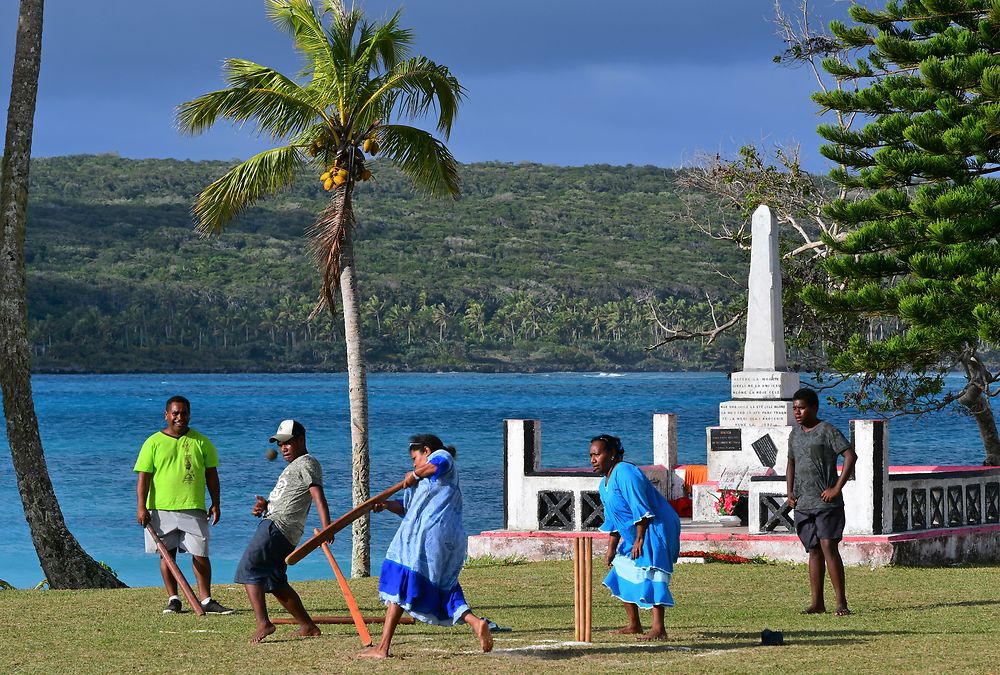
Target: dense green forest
(533, 268)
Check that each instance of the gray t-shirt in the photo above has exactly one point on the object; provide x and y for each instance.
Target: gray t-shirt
(289, 501)
(815, 455)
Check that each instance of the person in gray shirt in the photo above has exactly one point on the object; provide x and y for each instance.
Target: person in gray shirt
(814, 491)
(263, 569)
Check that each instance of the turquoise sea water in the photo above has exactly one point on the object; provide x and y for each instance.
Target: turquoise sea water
(92, 427)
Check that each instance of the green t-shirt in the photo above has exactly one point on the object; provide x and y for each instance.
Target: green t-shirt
(178, 467)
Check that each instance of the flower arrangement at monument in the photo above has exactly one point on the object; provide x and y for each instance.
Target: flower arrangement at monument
(716, 556)
(731, 502)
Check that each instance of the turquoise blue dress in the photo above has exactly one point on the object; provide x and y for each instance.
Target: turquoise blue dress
(628, 498)
(420, 572)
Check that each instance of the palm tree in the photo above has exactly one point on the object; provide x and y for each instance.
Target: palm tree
(475, 318)
(65, 563)
(357, 78)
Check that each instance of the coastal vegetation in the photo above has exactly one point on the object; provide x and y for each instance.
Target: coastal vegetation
(920, 205)
(533, 268)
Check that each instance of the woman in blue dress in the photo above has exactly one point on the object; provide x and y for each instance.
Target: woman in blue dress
(420, 572)
(644, 537)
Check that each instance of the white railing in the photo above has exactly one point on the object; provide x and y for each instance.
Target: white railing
(536, 498)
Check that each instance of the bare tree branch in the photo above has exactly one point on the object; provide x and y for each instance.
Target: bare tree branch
(685, 334)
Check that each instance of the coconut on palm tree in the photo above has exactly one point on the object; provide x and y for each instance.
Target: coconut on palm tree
(357, 83)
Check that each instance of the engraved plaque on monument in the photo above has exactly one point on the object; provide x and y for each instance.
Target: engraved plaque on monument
(725, 440)
(772, 385)
(767, 451)
(735, 478)
(755, 414)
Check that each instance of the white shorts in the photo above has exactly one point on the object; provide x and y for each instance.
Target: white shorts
(184, 530)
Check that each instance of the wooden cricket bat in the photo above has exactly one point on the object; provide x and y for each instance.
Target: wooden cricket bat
(341, 620)
(352, 605)
(340, 523)
(176, 571)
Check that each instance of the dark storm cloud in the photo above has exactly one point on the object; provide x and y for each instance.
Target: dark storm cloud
(114, 70)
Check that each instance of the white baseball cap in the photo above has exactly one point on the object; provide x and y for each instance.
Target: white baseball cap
(287, 430)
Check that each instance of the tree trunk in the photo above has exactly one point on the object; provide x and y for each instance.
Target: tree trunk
(975, 398)
(977, 403)
(358, 386)
(65, 563)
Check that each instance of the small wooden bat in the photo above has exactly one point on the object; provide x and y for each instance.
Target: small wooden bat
(176, 571)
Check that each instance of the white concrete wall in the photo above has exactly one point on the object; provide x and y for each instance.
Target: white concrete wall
(521, 498)
(870, 487)
(928, 482)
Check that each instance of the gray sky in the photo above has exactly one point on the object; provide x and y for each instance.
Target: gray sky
(565, 82)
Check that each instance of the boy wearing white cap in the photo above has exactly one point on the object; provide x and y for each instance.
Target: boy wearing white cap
(262, 569)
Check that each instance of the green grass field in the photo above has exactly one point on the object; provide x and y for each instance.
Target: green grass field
(906, 620)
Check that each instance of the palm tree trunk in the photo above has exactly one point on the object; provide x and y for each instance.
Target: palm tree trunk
(357, 383)
(65, 563)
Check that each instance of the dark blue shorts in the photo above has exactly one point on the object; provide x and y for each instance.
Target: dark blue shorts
(263, 563)
(817, 524)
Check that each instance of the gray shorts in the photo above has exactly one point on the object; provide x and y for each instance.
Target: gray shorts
(817, 524)
(184, 530)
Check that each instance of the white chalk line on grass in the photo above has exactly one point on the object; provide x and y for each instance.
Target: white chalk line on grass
(585, 645)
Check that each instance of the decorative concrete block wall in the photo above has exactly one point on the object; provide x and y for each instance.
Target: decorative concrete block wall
(944, 497)
(567, 499)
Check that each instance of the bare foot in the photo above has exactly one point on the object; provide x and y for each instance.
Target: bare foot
(813, 609)
(261, 633)
(372, 653)
(627, 630)
(482, 631)
(652, 635)
(312, 630)
(843, 611)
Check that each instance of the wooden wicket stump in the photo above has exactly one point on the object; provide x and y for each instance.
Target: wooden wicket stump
(583, 579)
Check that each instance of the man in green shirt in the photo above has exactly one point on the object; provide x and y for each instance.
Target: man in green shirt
(174, 466)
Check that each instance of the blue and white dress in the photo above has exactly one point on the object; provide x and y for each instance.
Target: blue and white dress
(420, 572)
(628, 498)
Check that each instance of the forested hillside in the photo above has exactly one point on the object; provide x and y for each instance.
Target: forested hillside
(535, 267)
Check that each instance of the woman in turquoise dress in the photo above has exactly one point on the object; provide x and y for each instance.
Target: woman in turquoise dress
(644, 537)
(421, 568)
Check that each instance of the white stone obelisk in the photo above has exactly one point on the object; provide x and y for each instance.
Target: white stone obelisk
(764, 350)
(752, 436)
(761, 391)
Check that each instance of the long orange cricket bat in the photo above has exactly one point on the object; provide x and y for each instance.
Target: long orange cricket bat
(352, 605)
(340, 523)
